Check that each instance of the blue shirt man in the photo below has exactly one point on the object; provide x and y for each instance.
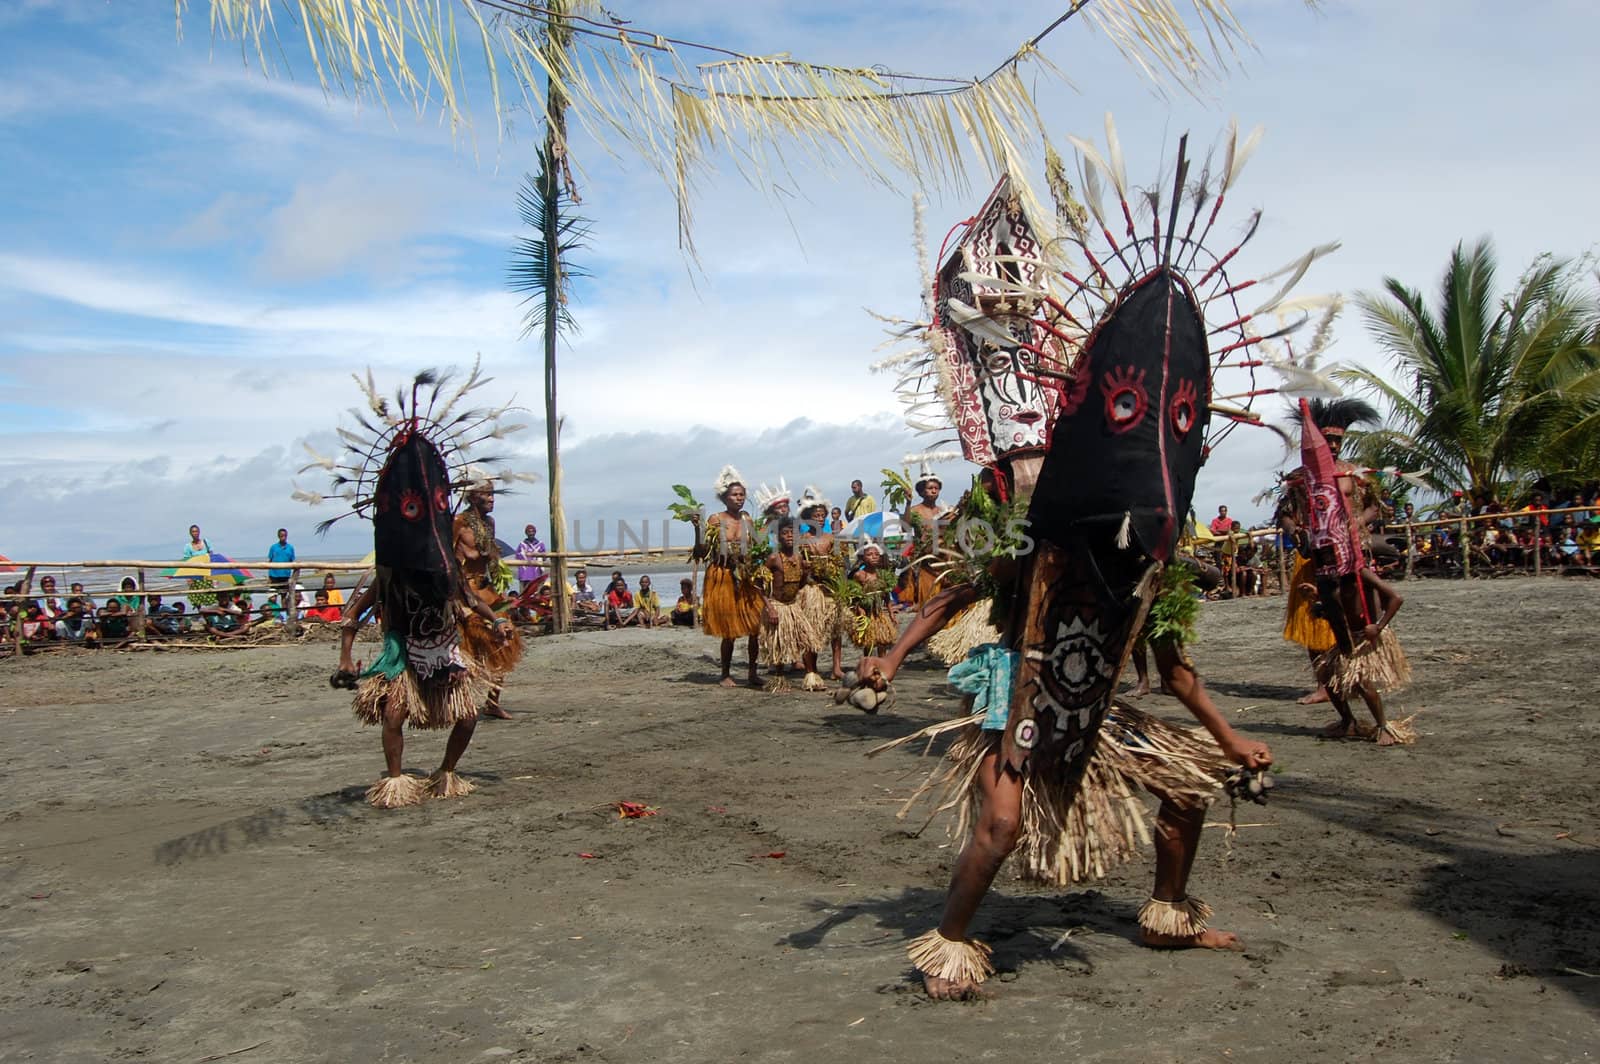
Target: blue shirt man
(280, 551)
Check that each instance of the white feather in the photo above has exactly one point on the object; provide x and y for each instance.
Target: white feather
(1238, 154)
(978, 324)
(1296, 270)
(310, 498)
(1119, 174)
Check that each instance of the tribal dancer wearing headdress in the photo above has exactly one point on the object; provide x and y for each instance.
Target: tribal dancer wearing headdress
(926, 518)
(1046, 763)
(825, 558)
(1301, 623)
(731, 605)
(1323, 517)
(402, 474)
(787, 631)
(871, 619)
(486, 579)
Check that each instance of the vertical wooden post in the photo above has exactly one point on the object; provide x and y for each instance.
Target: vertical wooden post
(1411, 550)
(1283, 563)
(143, 610)
(23, 589)
(1538, 546)
(291, 618)
(1466, 551)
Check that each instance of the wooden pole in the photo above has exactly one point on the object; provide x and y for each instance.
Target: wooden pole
(1538, 547)
(1283, 563)
(1466, 551)
(291, 616)
(142, 610)
(27, 584)
(1411, 550)
(551, 167)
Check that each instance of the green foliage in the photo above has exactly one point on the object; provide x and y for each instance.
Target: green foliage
(541, 264)
(1176, 609)
(1490, 392)
(687, 505)
(898, 489)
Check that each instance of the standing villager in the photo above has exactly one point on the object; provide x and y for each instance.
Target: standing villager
(402, 468)
(827, 562)
(731, 605)
(872, 623)
(925, 518)
(787, 632)
(487, 579)
(1366, 658)
(1046, 763)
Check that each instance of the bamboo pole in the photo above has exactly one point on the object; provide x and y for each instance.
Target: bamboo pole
(141, 611)
(291, 616)
(27, 583)
(1466, 551)
(1411, 550)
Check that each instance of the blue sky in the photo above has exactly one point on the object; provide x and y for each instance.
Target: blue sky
(194, 257)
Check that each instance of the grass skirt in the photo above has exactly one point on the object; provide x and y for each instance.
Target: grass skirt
(495, 658)
(827, 619)
(1071, 833)
(1381, 667)
(731, 609)
(1300, 625)
(403, 701)
(793, 636)
(917, 585)
(968, 629)
(877, 633)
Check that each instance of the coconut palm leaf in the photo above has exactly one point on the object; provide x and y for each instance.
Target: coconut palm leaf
(647, 93)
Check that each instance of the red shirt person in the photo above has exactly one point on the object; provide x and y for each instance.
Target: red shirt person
(1222, 524)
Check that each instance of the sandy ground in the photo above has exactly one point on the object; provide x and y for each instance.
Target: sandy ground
(189, 870)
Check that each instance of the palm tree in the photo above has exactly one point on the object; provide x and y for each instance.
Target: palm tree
(1481, 395)
(541, 267)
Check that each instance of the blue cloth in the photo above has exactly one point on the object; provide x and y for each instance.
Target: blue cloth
(280, 552)
(986, 675)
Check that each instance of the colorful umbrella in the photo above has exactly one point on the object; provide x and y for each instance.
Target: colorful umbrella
(6, 566)
(190, 572)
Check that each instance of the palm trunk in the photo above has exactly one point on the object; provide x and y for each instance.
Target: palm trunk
(550, 190)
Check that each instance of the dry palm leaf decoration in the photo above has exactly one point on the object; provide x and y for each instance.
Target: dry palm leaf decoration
(645, 92)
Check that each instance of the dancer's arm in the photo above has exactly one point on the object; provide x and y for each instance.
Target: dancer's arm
(1389, 601)
(932, 616)
(1184, 682)
(353, 612)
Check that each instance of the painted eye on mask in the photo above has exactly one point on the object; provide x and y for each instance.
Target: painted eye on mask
(410, 505)
(1126, 398)
(1182, 409)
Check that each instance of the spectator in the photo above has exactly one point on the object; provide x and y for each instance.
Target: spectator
(858, 503)
(683, 610)
(331, 586)
(128, 595)
(835, 522)
(49, 604)
(225, 617)
(619, 602)
(200, 593)
(1222, 524)
(584, 599)
(1589, 541)
(324, 612)
(530, 573)
(647, 605)
(280, 552)
(113, 621)
(1537, 511)
(88, 600)
(161, 619)
(76, 623)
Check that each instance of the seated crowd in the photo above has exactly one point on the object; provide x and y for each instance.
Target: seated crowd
(1501, 538)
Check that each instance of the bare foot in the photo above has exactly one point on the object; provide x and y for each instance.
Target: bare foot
(1209, 939)
(1316, 697)
(1339, 729)
(837, 674)
(950, 990)
(1139, 691)
(754, 679)
(496, 712)
(1385, 737)
(727, 681)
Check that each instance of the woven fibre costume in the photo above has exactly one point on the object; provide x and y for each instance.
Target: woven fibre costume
(479, 565)
(730, 601)
(1336, 560)
(1148, 331)
(402, 467)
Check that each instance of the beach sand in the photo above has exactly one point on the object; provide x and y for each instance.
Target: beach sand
(189, 869)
